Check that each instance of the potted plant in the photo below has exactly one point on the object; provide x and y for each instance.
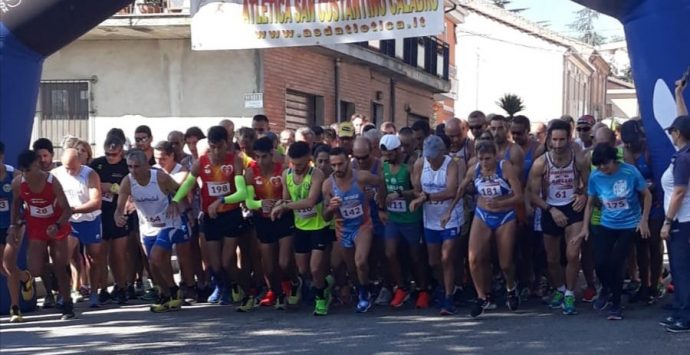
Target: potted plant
(151, 6)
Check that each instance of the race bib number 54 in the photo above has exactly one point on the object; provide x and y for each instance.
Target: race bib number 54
(217, 189)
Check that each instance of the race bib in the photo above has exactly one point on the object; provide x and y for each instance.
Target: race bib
(156, 221)
(306, 212)
(490, 190)
(218, 189)
(107, 197)
(397, 206)
(561, 194)
(41, 212)
(616, 204)
(4, 205)
(352, 212)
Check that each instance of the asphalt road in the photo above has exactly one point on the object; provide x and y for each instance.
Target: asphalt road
(534, 329)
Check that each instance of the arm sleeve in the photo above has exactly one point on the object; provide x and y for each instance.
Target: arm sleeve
(241, 193)
(184, 189)
(252, 204)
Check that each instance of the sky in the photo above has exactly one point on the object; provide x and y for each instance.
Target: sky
(560, 13)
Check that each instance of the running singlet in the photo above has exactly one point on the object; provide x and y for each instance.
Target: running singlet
(434, 181)
(217, 181)
(152, 205)
(399, 209)
(6, 197)
(267, 188)
(491, 186)
(373, 205)
(529, 159)
(619, 195)
(462, 153)
(353, 213)
(76, 188)
(308, 219)
(560, 182)
(42, 209)
(109, 174)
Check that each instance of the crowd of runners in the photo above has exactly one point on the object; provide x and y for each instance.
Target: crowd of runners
(478, 213)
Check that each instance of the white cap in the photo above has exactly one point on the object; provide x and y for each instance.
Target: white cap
(390, 142)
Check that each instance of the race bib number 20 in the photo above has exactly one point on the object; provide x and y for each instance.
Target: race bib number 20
(41, 212)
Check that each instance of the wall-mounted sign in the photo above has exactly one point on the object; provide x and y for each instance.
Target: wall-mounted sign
(255, 100)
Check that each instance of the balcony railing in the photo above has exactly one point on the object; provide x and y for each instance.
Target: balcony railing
(155, 7)
(427, 53)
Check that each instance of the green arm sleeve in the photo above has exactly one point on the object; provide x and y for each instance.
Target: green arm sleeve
(184, 189)
(241, 193)
(252, 204)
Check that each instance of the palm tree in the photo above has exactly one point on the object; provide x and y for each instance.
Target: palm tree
(511, 104)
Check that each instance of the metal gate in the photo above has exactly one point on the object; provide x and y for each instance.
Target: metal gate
(63, 110)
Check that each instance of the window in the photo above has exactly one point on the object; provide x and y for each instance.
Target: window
(347, 109)
(376, 113)
(302, 109)
(412, 117)
(63, 109)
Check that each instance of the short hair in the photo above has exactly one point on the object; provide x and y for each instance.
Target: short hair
(69, 141)
(263, 144)
(2, 148)
(338, 151)
(26, 158)
(194, 132)
(373, 136)
(113, 142)
(330, 133)
(422, 125)
(247, 132)
(387, 124)
(477, 114)
(405, 131)
(558, 125)
(445, 139)
(165, 147)
(87, 148)
(524, 121)
(485, 147)
(318, 130)
(603, 154)
(138, 156)
(322, 148)
(217, 134)
(568, 118)
(440, 129)
(144, 129)
(368, 127)
(260, 118)
(43, 143)
(498, 118)
(298, 150)
(117, 132)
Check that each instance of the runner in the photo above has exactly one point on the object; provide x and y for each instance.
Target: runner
(222, 188)
(111, 169)
(478, 123)
(302, 194)
(46, 215)
(556, 182)
(143, 139)
(435, 177)
(176, 138)
(160, 227)
(265, 177)
(349, 205)
(7, 174)
(403, 225)
(82, 186)
(617, 186)
(498, 188)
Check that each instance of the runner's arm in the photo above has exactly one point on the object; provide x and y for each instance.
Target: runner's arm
(328, 213)
(515, 184)
(62, 201)
(125, 191)
(251, 201)
(187, 185)
(314, 193)
(240, 185)
(16, 202)
(535, 184)
(517, 159)
(94, 202)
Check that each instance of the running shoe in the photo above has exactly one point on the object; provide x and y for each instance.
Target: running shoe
(28, 288)
(399, 298)
(384, 297)
(94, 300)
(150, 294)
(525, 294)
(422, 300)
(237, 293)
(448, 308)
(589, 294)
(225, 297)
(84, 291)
(569, 305)
(280, 302)
(556, 300)
(16, 315)
(364, 301)
(513, 301)
(632, 287)
(602, 302)
(49, 300)
(175, 303)
(320, 307)
(668, 321)
(131, 292)
(615, 312)
(76, 296)
(68, 311)
(162, 305)
(286, 287)
(246, 305)
(295, 295)
(214, 298)
(121, 296)
(103, 296)
(268, 300)
(139, 288)
(542, 287)
(479, 306)
(439, 296)
(679, 327)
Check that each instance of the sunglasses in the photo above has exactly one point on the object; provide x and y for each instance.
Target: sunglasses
(474, 128)
(141, 139)
(362, 157)
(584, 129)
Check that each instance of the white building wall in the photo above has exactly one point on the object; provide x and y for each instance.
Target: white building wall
(160, 83)
(494, 59)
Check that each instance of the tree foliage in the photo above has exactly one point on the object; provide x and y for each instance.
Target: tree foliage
(584, 26)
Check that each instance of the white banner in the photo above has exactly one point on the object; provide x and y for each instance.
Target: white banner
(240, 24)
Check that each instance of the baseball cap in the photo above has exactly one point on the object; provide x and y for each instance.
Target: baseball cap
(631, 131)
(682, 124)
(433, 147)
(390, 142)
(346, 129)
(586, 119)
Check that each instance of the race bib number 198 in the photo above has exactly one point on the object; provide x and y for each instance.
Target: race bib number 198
(217, 189)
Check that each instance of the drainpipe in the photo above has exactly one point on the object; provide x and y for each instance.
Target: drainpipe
(392, 96)
(336, 70)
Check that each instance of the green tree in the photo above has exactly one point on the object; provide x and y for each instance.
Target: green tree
(511, 104)
(584, 26)
(501, 3)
